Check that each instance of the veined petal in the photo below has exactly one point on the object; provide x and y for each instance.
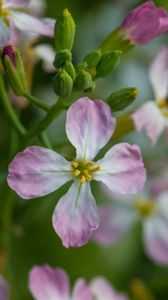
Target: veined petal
(115, 221)
(89, 126)
(46, 53)
(4, 34)
(46, 283)
(29, 23)
(4, 289)
(102, 290)
(82, 291)
(38, 171)
(153, 125)
(75, 216)
(155, 232)
(15, 3)
(122, 169)
(159, 74)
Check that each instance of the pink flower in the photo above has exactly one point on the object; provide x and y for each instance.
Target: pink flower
(4, 289)
(117, 219)
(11, 13)
(145, 23)
(38, 171)
(48, 283)
(152, 117)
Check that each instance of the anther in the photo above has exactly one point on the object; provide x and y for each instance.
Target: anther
(76, 173)
(82, 179)
(75, 164)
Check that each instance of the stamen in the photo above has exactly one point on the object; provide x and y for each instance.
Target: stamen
(75, 164)
(82, 179)
(76, 173)
(83, 170)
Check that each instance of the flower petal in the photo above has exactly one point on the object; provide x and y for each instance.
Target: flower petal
(102, 290)
(38, 171)
(153, 125)
(155, 232)
(82, 291)
(36, 8)
(4, 289)
(15, 3)
(4, 34)
(29, 23)
(48, 283)
(115, 221)
(159, 74)
(75, 216)
(122, 169)
(89, 126)
(47, 54)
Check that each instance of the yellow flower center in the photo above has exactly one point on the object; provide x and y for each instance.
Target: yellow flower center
(83, 170)
(163, 105)
(145, 208)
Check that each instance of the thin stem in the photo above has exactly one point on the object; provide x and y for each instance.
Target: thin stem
(38, 102)
(9, 110)
(44, 140)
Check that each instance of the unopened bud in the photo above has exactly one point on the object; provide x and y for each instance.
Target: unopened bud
(109, 61)
(63, 84)
(69, 68)
(84, 82)
(14, 70)
(92, 59)
(64, 31)
(62, 57)
(121, 99)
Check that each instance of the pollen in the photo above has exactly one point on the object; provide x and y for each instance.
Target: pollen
(84, 170)
(163, 106)
(145, 208)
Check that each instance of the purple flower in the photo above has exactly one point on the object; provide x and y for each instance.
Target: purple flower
(38, 171)
(151, 211)
(152, 117)
(48, 283)
(4, 289)
(11, 14)
(145, 23)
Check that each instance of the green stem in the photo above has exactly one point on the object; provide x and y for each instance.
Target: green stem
(38, 102)
(124, 126)
(57, 108)
(9, 110)
(44, 140)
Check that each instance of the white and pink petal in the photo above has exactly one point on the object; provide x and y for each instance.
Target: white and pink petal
(148, 118)
(75, 216)
(4, 34)
(89, 126)
(82, 291)
(38, 171)
(4, 289)
(122, 169)
(46, 53)
(15, 3)
(48, 283)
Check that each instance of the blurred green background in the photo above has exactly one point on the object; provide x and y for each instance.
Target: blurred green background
(32, 239)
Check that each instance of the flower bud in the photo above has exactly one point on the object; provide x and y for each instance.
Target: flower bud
(121, 99)
(63, 84)
(69, 68)
(84, 81)
(62, 57)
(64, 31)
(14, 70)
(92, 59)
(109, 61)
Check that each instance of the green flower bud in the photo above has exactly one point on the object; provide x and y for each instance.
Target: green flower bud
(84, 82)
(62, 57)
(14, 70)
(64, 31)
(121, 99)
(63, 84)
(92, 59)
(69, 68)
(109, 61)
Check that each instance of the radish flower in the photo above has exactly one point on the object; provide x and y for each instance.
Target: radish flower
(4, 289)
(38, 171)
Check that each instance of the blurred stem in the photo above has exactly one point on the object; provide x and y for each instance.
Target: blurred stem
(44, 140)
(46, 107)
(9, 110)
(124, 126)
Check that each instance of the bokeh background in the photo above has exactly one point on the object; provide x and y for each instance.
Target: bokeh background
(32, 239)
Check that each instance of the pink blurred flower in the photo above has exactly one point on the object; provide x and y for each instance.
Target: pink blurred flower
(48, 283)
(145, 23)
(152, 117)
(152, 212)
(4, 289)
(11, 14)
(38, 171)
